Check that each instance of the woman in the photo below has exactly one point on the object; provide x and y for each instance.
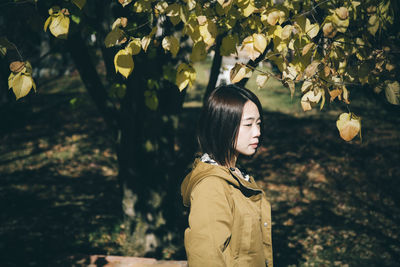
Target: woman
(230, 218)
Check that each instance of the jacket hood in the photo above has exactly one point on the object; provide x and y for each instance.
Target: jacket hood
(202, 170)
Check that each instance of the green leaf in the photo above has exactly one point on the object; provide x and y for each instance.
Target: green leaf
(151, 99)
(199, 52)
(114, 37)
(228, 45)
(171, 43)
(185, 75)
(76, 19)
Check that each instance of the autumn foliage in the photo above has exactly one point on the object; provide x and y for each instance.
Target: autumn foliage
(325, 47)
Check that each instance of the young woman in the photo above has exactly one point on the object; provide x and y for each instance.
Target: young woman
(230, 218)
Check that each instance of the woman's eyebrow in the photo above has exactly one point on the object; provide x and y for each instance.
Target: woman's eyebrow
(251, 118)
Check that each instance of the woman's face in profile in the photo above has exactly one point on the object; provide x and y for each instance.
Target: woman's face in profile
(249, 130)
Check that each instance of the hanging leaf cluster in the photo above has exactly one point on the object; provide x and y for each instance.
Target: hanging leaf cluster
(20, 79)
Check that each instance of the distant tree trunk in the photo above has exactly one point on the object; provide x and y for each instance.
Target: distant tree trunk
(215, 68)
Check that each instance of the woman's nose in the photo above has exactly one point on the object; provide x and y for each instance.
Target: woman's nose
(256, 131)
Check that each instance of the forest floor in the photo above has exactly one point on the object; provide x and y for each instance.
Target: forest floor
(334, 203)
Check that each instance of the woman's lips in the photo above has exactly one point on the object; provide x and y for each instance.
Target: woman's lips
(255, 145)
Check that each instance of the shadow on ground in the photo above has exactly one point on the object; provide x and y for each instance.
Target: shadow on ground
(334, 203)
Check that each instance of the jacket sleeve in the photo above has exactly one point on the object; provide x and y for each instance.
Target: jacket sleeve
(210, 222)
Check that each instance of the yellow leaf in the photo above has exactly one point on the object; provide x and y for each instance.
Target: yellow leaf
(286, 32)
(59, 26)
(345, 95)
(306, 86)
(202, 20)
(124, 2)
(238, 72)
(184, 14)
(290, 73)
(134, 46)
(329, 30)
(54, 10)
(145, 42)
(289, 83)
(261, 80)
(47, 23)
(248, 47)
(335, 93)
(199, 52)
(21, 85)
(348, 125)
(340, 24)
(11, 78)
(248, 10)
(171, 43)
(392, 92)
(273, 16)
(342, 12)
(191, 28)
(225, 3)
(173, 12)
(228, 45)
(123, 62)
(311, 69)
(209, 32)
(260, 43)
(161, 7)
(310, 97)
(185, 75)
(373, 24)
(307, 48)
(79, 3)
(141, 6)
(116, 23)
(311, 29)
(191, 4)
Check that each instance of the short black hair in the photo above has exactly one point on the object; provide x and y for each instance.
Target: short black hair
(219, 122)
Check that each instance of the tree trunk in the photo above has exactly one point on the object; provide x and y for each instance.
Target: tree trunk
(90, 78)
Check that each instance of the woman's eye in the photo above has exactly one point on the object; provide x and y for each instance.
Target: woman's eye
(248, 125)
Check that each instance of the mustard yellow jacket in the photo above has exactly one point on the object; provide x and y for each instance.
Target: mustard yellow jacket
(229, 219)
